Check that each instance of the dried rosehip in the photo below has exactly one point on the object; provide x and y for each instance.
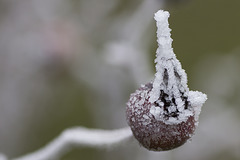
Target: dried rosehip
(152, 133)
(164, 114)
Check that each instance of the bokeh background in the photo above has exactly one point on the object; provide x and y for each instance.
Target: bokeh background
(75, 62)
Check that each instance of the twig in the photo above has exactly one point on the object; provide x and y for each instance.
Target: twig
(79, 137)
(2, 157)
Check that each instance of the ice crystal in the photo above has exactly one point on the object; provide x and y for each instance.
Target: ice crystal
(170, 87)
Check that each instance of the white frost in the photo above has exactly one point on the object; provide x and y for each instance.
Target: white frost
(197, 99)
(79, 137)
(170, 77)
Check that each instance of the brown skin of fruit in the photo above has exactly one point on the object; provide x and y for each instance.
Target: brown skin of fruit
(153, 134)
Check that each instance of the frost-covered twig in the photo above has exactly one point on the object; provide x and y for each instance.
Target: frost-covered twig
(79, 137)
(2, 157)
(130, 51)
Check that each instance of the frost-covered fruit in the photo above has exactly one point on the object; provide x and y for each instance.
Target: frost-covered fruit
(152, 133)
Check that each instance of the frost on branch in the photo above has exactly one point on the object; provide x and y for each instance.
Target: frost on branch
(79, 137)
(163, 114)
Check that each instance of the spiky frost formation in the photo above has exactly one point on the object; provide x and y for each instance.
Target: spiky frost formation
(164, 114)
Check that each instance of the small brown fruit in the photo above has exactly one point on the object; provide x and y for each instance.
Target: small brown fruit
(154, 133)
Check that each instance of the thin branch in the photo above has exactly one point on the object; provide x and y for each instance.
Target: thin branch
(2, 157)
(79, 137)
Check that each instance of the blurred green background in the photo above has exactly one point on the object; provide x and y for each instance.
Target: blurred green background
(75, 63)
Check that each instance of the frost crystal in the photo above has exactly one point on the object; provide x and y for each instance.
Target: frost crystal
(170, 83)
